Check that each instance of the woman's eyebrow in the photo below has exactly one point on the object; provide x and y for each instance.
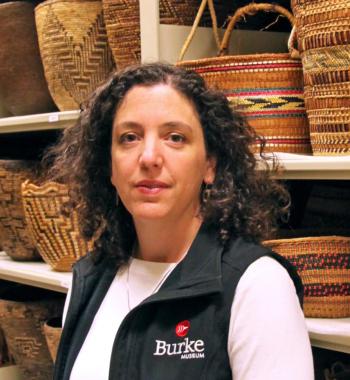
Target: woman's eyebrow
(178, 124)
(128, 125)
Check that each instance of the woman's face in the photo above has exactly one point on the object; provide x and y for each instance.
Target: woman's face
(159, 161)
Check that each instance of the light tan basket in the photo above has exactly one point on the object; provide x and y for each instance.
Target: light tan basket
(323, 264)
(52, 331)
(74, 49)
(323, 28)
(56, 236)
(266, 88)
(122, 19)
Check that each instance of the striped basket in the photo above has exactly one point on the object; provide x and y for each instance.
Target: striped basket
(122, 19)
(266, 88)
(323, 28)
(56, 236)
(323, 264)
(74, 49)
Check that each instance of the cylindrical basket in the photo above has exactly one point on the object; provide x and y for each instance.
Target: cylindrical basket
(324, 41)
(74, 49)
(122, 19)
(266, 88)
(53, 330)
(22, 314)
(23, 88)
(15, 239)
(323, 264)
(56, 236)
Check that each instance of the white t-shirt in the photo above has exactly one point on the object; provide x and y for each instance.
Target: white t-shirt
(268, 339)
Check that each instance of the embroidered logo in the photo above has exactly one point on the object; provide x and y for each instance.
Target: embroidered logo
(186, 349)
(182, 328)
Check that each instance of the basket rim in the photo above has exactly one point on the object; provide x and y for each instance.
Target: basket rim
(308, 239)
(50, 2)
(28, 186)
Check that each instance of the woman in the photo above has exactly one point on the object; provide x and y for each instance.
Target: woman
(177, 286)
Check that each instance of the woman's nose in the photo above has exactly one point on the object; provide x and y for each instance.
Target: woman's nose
(151, 153)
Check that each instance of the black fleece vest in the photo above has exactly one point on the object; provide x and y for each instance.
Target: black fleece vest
(178, 333)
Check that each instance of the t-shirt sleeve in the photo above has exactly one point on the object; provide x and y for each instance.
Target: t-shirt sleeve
(66, 304)
(268, 338)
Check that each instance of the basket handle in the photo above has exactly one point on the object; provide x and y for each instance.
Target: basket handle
(199, 15)
(252, 9)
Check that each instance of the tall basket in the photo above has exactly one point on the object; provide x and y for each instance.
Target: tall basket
(323, 29)
(266, 88)
(74, 49)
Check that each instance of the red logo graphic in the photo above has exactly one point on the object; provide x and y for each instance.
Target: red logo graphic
(182, 328)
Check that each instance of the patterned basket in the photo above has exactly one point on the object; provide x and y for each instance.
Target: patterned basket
(56, 236)
(74, 49)
(324, 41)
(52, 330)
(323, 264)
(22, 314)
(123, 24)
(15, 239)
(23, 88)
(267, 88)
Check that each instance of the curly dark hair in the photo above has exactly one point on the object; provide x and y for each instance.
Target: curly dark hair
(244, 199)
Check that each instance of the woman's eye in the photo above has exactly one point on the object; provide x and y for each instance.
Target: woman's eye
(128, 138)
(176, 138)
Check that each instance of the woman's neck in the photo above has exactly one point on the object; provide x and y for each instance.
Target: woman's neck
(165, 242)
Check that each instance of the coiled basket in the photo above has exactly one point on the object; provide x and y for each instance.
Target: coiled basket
(56, 236)
(323, 264)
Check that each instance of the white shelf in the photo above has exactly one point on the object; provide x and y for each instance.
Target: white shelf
(39, 122)
(36, 274)
(333, 334)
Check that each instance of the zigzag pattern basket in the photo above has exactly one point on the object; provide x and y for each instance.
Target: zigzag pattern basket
(323, 264)
(266, 88)
(15, 239)
(56, 236)
(122, 19)
(74, 49)
(324, 41)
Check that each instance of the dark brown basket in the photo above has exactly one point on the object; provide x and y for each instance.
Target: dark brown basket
(323, 28)
(323, 264)
(123, 24)
(15, 238)
(56, 236)
(74, 49)
(22, 314)
(266, 88)
(53, 330)
(23, 88)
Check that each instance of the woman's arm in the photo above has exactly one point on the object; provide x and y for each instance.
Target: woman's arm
(268, 339)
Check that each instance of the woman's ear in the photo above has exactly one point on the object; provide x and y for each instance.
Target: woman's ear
(210, 170)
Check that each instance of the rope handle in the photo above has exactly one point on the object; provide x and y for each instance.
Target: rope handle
(252, 9)
(199, 15)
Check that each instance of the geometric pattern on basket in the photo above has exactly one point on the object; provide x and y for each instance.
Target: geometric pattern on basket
(76, 59)
(27, 346)
(57, 237)
(323, 264)
(15, 239)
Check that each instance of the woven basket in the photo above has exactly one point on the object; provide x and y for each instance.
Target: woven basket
(323, 264)
(266, 88)
(52, 330)
(22, 315)
(324, 41)
(56, 236)
(74, 49)
(122, 19)
(15, 239)
(23, 88)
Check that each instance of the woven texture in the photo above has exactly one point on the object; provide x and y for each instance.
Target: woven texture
(267, 89)
(53, 330)
(21, 322)
(23, 88)
(56, 236)
(323, 264)
(15, 239)
(74, 49)
(123, 25)
(324, 42)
